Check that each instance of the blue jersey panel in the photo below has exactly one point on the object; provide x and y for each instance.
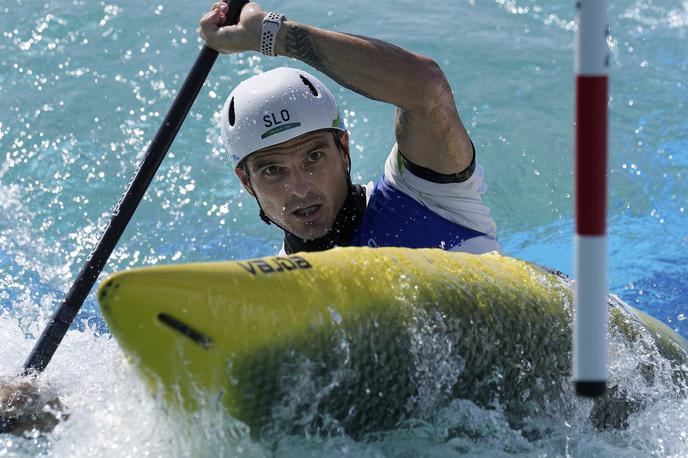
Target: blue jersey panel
(393, 218)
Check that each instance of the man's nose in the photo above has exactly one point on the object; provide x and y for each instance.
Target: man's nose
(300, 183)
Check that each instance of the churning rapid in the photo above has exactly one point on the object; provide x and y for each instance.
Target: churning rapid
(85, 85)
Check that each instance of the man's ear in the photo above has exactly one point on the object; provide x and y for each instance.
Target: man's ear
(239, 171)
(344, 138)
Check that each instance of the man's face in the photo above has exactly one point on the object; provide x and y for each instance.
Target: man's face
(300, 184)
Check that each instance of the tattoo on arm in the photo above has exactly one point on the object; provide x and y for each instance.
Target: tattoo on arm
(299, 45)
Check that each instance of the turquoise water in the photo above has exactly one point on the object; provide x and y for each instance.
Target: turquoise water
(84, 86)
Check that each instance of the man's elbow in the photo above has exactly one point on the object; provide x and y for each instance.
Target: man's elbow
(434, 89)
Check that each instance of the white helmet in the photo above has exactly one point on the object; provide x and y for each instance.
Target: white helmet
(274, 107)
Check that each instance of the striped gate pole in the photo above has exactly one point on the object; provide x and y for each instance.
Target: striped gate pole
(590, 241)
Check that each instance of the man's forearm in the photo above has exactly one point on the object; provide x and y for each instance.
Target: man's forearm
(373, 68)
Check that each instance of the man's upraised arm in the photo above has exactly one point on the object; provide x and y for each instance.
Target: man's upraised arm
(427, 125)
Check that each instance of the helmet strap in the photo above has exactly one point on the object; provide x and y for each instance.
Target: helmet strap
(261, 212)
(263, 216)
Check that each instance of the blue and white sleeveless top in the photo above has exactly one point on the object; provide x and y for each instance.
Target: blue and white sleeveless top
(408, 211)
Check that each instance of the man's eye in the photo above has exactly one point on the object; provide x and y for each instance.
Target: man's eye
(271, 170)
(316, 156)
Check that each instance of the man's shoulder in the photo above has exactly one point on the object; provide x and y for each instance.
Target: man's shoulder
(458, 202)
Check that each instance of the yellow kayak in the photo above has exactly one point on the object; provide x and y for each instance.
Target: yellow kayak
(363, 337)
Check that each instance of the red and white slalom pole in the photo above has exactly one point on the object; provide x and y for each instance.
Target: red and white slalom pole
(590, 258)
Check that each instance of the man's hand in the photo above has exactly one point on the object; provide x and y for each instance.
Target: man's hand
(30, 406)
(244, 36)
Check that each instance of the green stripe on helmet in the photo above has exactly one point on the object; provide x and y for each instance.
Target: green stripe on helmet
(278, 129)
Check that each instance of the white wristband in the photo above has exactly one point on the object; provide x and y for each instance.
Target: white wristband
(268, 34)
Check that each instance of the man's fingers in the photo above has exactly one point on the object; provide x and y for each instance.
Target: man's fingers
(209, 23)
(207, 18)
(212, 31)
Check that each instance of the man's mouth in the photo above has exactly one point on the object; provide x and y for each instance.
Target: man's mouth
(307, 212)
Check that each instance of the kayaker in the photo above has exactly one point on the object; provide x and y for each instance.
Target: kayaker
(289, 147)
(290, 150)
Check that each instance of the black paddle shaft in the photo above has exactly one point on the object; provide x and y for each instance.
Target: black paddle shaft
(64, 315)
